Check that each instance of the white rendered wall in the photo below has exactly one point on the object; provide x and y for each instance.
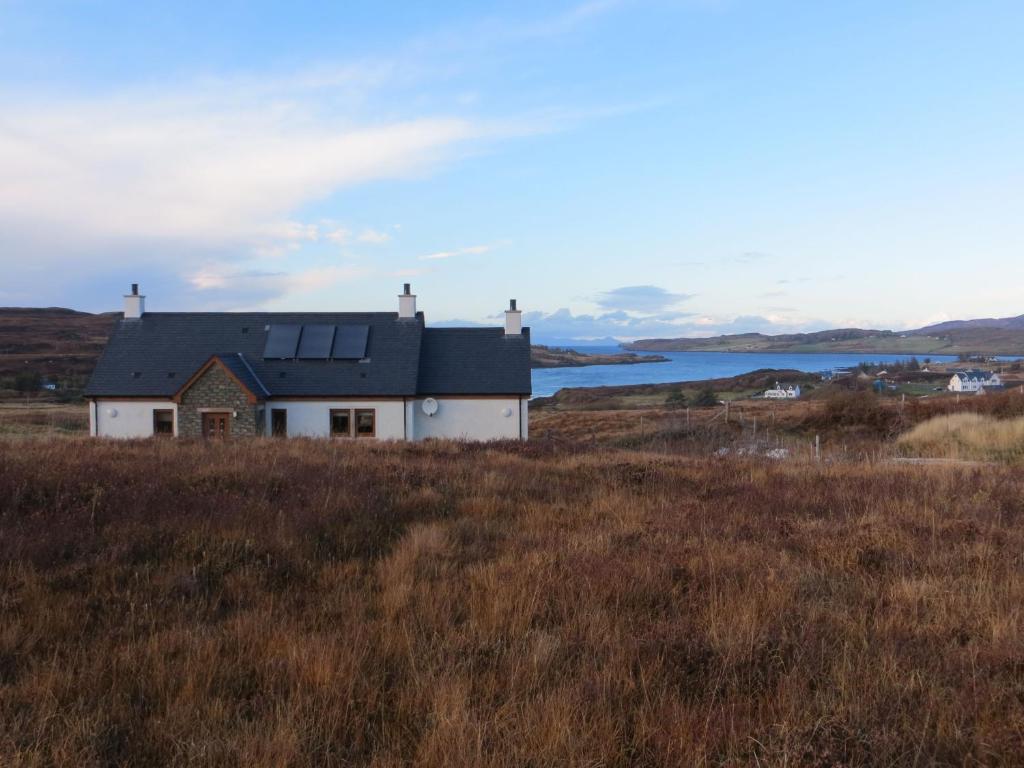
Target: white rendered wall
(410, 418)
(456, 418)
(471, 418)
(971, 385)
(134, 417)
(312, 418)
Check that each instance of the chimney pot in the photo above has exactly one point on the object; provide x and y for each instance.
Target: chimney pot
(134, 304)
(513, 320)
(406, 303)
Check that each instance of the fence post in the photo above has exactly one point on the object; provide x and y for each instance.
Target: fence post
(817, 447)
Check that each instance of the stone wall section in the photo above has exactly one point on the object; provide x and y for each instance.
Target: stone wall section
(216, 390)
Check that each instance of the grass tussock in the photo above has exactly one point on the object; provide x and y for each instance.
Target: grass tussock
(311, 603)
(966, 436)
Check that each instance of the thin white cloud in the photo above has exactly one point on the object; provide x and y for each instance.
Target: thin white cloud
(319, 278)
(570, 19)
(208, 279)
(219, 277)
(625, 326)
(641, 298)
(338, 235)
(473, 250)
(373, 237)
(120, 169)
(229, 282)
(410, 272)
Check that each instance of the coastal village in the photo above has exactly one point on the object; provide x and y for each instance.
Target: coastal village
(916, 381)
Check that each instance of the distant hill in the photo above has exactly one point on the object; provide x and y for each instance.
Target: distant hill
(986, 336)
(1002, 323)
(50, 343)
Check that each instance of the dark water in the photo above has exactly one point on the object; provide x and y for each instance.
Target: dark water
(691, 366)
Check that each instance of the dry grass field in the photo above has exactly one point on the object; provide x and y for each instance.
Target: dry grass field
(21, 419)
(968, 436)
(310, 603)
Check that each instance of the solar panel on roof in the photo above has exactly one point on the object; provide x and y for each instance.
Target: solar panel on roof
(316, 342)
(282, 342)
(350, 342)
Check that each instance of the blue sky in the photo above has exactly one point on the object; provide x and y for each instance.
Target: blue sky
(623, 168)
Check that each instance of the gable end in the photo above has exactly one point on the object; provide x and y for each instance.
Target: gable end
(251, 396)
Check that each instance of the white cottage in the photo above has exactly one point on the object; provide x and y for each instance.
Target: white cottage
(358, 375)
(973, 381)
(789, 393)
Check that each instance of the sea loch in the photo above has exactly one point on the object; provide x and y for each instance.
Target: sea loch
(692, 366)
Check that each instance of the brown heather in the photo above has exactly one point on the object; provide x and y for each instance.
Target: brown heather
(313, 603)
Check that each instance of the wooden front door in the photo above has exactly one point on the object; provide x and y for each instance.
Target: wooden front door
(217, 424)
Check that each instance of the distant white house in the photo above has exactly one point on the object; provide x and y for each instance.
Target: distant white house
(789, 393)
(973, 381)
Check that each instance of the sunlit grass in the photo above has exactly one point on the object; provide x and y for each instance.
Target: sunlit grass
(966, 436)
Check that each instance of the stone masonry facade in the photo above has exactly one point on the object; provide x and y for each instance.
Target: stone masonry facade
(216, 390)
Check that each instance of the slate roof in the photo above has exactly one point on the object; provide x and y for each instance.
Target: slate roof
(479, 361)
(243, 371)
(974, 374)
(157, 354)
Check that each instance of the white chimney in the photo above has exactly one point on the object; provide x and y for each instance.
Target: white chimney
(134, 304)
(513, 319)
(406, 304)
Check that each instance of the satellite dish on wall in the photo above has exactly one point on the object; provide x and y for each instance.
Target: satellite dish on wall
(429, 406)
(112, 412)
(506, 412)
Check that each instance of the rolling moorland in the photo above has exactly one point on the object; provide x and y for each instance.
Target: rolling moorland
(52, 344)
(990, 336)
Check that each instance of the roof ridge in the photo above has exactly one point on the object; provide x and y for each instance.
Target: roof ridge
(276, 312)
(241, 356)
